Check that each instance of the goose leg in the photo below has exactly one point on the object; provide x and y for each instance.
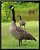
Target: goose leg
(19, 43)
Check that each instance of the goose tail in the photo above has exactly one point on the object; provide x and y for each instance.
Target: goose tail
(34, 39)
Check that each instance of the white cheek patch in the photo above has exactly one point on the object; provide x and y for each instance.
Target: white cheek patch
(12, 8)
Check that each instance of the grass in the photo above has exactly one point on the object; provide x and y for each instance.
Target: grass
(9, 42)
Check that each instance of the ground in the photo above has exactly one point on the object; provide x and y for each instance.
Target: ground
(9, 42)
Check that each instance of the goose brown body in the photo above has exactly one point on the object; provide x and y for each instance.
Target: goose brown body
(21, 21)
(20, 33)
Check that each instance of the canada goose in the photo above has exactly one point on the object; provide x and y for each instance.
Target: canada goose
(21, 21)
(17, 32)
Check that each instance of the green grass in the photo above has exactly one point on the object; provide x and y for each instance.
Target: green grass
(9, 42)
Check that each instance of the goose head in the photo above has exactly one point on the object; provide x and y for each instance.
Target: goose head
(19, 17)
(11, 7)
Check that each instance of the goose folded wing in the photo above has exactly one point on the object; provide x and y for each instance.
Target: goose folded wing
(24, 33)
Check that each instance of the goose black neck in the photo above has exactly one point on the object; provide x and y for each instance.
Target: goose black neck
(20, 18)
(13, 17)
